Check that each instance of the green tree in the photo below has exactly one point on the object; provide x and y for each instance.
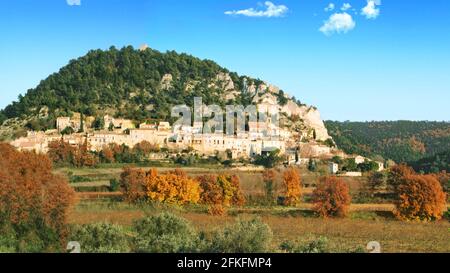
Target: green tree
(368, 166)
(81, 123)
(312, 166)
(268, 160)
(165, 233)
(99, 123)
(68, 131)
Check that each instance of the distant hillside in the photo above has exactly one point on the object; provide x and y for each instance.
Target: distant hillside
(144, 85)
(433, 164)
(401, 141)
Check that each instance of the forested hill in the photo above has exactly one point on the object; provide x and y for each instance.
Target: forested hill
(127, 81)
(143, 85)
(401, 141)
(433, 164)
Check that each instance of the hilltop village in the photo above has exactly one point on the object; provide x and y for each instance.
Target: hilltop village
(77, 130)
(299, 136)
(248, 144)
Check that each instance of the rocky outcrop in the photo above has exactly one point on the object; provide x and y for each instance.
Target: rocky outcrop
(266, 96)
(224, 82)
(166, 82)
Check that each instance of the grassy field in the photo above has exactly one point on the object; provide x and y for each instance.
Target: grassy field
(293, 224)
(368, 222)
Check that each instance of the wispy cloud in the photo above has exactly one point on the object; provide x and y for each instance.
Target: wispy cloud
(338, 23)
(346, 6)
(330, 7)
(370, 10)
(269, 10)
(73, 2)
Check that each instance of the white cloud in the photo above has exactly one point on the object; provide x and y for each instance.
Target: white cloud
(338, 23)
(371, 11)
(346, 6)
(330, 7)
(271, 10)
(73, 2)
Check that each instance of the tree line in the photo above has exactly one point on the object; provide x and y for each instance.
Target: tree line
(401, 141)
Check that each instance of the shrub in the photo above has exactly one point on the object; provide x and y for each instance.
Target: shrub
(252, 236)
(447, 214)
(165, 233)
(316, 246)
(331, 198)
(114, 185)
(293, 187)
(34, 203)
(8, 241)
(420, 198)
(101, 238)
(78, 179)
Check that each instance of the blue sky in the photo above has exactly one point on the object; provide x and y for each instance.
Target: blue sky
(376, 60)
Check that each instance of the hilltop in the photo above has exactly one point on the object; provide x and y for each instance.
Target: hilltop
(144, 85)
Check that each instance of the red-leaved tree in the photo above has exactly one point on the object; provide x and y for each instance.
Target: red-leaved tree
(32, 198)
(331, 198)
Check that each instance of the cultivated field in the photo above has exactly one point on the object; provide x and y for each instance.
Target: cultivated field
(367, 222)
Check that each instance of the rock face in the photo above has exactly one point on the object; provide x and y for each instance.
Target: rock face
(224, 82)
(166, 82)
(266, 96)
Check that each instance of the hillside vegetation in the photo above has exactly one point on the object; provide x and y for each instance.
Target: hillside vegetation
(401, 141)
(125, 79)
(135, 84)
(433, 164)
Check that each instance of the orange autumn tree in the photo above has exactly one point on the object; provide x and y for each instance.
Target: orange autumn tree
(82, 157)
(32, 199)
(107, 154)
(420, 198)
(331, 198)
(173, 187)
(146, 148)
(238, 198)
(212, 194)
(397, 174)
(61, 152)
(293, 187)
(220, 192)
(133, 184)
